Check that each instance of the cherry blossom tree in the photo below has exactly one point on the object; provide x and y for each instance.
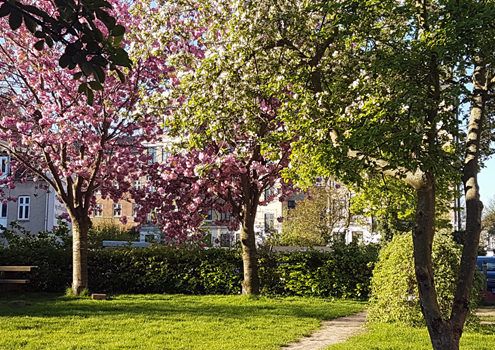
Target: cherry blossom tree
(79, 149)
(236, 145)
(231, 177)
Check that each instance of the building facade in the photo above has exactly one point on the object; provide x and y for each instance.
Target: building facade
(33, 205)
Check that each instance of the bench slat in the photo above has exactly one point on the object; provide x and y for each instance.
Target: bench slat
(16, 268)
(13, 281)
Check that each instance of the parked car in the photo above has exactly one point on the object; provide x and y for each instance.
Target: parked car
(490, 270)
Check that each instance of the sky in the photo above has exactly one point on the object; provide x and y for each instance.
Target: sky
(487, 182)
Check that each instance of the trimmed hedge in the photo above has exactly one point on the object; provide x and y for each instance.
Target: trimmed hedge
(165, 270)
(344, 272)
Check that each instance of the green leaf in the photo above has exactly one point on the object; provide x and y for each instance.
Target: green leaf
(99, 60)
(120, 74)
(49, 41)
(117, 40)
(99, 74)
(35, 11)
(15, 20)
(121, 58)
(118, 30)
(77, 76)
(86, 68)
(39, 45)
(64, 60)
(98, 35)
(105, 4)
(93, 46)
(95, 85)
(71, 65)
(30, 24)
(4, 10)
(91, 96)
(82, 88)
(108, 20)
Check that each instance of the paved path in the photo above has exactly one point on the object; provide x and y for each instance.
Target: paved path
(487, 315)
(331, 332)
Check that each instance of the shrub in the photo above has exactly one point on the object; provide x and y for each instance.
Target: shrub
(50, 251)
(344, 272)
(394, 293)
(110, 232)
(163, 269)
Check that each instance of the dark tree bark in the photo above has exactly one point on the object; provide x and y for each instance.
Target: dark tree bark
(81, 223)
(439, 329)
(251, 282)
(474, 206)
(445, 334)
(251, 199)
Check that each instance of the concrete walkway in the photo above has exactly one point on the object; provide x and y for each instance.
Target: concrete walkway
(331, 332)
(487, 315)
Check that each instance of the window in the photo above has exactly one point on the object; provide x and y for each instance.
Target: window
(151, 217)
(150, 238)
(225, 240)
(269, 222)
(3, 212)
(137, 185)
(165, 155)
(98, 211)
(224, 216)
(291, 204)
(4, 166)
(269, 192)
(23, 204)
(135, 209)
(209, 216)
(319, 182)
(152, 155)
(357, 236)
(117, 209)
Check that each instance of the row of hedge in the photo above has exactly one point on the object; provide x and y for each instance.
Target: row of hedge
(344, 272)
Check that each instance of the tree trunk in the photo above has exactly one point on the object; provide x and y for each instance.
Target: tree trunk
(80, 229)
(251, 282)
(474, 206)
(439, 329)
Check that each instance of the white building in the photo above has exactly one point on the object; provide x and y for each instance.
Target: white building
(31, 204)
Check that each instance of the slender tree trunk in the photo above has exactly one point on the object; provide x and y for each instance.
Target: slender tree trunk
(439, 329)
(474, 206)
(446, 334)
(251, 282)
(80, 228)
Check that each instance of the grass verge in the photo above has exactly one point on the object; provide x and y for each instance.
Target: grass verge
(162, 321)
(399, 337)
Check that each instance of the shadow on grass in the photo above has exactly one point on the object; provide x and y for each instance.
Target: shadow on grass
(166, 306)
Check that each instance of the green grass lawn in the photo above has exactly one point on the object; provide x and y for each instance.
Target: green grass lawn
(162, 321)
(396, 337)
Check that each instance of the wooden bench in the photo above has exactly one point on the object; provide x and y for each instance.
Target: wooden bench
(15, 270)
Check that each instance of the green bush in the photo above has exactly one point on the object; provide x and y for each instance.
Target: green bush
(49, 251)
(162, 269)
(111, 232)
(344, 272)
(394, 293)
